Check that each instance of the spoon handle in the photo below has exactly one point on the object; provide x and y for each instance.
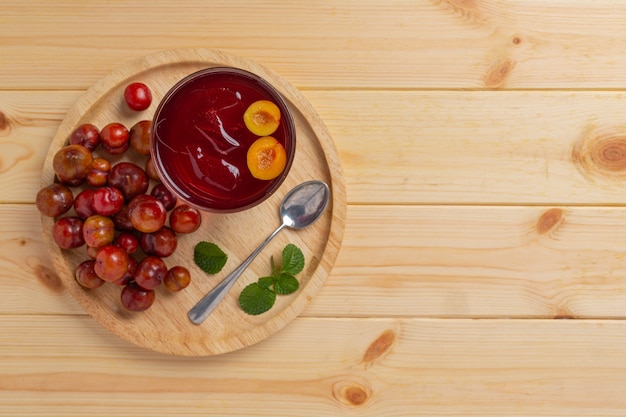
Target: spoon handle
(207, 304)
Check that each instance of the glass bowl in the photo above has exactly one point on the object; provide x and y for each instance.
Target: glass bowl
(202, 147)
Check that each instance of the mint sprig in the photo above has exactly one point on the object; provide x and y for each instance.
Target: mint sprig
(209, 257)
(293, 260)
(258, 297)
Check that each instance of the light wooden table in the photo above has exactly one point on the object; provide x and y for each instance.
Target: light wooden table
(483, 268)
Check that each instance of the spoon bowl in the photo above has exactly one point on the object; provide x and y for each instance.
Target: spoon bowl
(304, 204)
(300, 208)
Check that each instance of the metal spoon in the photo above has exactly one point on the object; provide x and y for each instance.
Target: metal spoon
(301, 207)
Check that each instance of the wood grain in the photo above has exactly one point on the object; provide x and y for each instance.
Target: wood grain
(332, 44)
(482, 147)
(478, 261)
(335, 367)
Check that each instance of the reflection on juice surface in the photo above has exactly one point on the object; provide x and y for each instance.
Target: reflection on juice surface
(200, 139)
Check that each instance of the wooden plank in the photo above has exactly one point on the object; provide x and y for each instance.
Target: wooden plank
(478, 261)
(332, 44)
(328, 367)
(412, 147)
(411, 261)
(28, 122)
(479, 147)
(29, 282)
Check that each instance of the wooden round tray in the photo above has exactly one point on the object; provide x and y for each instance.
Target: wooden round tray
(165, 326)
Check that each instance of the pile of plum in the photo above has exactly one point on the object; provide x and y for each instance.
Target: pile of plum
(126, 226)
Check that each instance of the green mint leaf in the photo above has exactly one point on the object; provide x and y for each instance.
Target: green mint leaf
(255, 299)
(286, 284)
(209, 257)
(293, 260)
(260, 296)
(267, 282)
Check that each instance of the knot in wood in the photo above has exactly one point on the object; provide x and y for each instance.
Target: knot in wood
(499, 74)
(550, 220)
(380, 346)
(48, 278)
(611, 155)
(602, 153)
(351, 393)
(5, 125)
